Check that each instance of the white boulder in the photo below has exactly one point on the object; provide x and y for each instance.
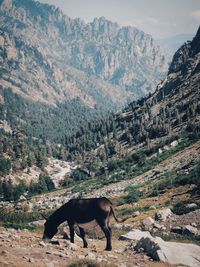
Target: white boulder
(170, 252)
(135, 235)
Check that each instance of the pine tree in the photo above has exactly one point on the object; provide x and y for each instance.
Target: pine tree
(7, 190)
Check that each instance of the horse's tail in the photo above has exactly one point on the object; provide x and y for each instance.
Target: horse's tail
(114, 216)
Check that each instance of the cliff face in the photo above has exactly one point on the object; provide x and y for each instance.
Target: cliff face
(48, 57)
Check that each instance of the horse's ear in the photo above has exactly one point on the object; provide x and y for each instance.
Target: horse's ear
(45, 217)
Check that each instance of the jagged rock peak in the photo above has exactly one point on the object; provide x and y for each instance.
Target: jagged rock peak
(195, 44)
(186, 51)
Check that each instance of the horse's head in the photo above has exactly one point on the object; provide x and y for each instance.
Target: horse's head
(49, 229)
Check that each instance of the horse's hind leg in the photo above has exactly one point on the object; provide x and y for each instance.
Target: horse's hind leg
(108, 233)
(82, 234)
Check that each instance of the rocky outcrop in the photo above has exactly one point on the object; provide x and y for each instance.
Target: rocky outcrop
(159, 250)
(54, 58)
(170, 252)
(135, 234)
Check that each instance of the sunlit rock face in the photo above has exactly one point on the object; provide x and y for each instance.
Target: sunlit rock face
(48, 57)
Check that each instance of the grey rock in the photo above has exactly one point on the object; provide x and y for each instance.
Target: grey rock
(136, 213)
(158, 226)
(81, 257)
(152, 207)
(31, 260)
(170, 252)
(162, 215)
(42, 244)
(191, 205)
(148, 222)
(91, 256)
(72, 246)
(190, 230)
(135, 235)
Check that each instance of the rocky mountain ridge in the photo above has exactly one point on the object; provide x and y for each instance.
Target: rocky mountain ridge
(94, 61)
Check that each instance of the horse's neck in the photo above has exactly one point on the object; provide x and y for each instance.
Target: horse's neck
(58, 217)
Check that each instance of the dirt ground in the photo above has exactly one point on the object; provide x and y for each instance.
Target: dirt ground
(21, 248)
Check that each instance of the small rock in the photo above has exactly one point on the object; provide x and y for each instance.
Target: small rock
(31, 260)
(4, 252)
(194, 224)
(135, 235)
(190, 230)
(72, 246)
(152, 207)
(42, 244)
(135, 213)
(91, 256)
(191, 205)
(81, 257)
(54, 242)
(157, 226)
(162, 215)
(148, 222)
(56, 253)
(118, 226)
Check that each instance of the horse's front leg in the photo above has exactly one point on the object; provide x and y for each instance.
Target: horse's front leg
(82, 234)
(71, 231)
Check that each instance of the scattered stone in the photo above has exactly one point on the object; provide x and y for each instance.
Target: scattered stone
(157, 226)
(152, 207)
(174, 143)
(136, 213)
(193, 186)
(148, 222)
(162, 215)
(91, 256)
(54, 242)
(81, 257)
(39, 223)
(190, 230)
(56, 253)
(31, 260)
(22, 198)
(118, 226)
(194, 224)
(135, 235)
(191, 205)
(4, 252)
(170, 252)
(42, 244)
(72, 246)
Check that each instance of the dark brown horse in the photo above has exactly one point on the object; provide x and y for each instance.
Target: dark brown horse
(81, 211)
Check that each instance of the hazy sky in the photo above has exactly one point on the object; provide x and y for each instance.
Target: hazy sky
(160, 18)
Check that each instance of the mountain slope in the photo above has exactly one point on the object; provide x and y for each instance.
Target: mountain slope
(48, 57)
(163, 116)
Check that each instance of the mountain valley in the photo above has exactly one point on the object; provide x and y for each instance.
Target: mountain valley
(90, 110)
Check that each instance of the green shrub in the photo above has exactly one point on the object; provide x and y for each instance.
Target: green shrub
(19, 226)
(79, 174)
(180, 208)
